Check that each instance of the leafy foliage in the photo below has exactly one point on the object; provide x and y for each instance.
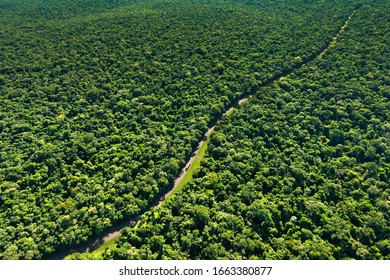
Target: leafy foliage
(300, 172)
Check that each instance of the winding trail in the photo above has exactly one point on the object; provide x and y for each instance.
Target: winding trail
(115, 231)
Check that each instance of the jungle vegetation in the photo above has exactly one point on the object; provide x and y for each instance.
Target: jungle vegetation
(102, 102)
(300, 172)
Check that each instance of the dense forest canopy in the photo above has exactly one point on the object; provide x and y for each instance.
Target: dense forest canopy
(301, 172)
(102, 102)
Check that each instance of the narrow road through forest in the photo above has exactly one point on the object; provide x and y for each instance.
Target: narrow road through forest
(115, 231)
